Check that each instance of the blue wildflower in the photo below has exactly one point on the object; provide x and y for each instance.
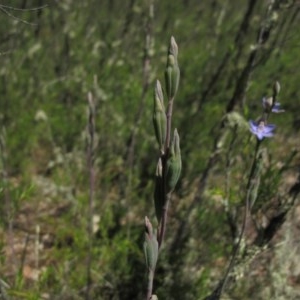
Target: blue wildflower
(261, 129)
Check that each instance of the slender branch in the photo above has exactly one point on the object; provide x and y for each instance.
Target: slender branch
(90, 165)
(23, 9)
(237, 42)
(16, 18)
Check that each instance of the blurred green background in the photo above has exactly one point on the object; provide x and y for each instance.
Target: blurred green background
(51, 58)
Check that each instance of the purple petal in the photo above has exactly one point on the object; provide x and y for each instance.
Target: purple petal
(269, 134)
(261, 130)
(276, 108)
(253, 125)
(269, 128)
(259, 135)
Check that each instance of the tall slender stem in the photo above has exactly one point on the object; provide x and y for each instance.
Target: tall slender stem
(90, 163)
(218, 291)
(163, 222)
(246, 212)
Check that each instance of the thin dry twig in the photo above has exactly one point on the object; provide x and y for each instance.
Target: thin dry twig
(5, 8)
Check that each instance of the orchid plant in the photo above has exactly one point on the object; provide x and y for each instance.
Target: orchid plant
(169, 163)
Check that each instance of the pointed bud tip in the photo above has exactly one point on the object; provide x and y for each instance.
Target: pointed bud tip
(157, 84)
(276, 87)
(176, 133)
(148, 226)
(158, 92)
(173, 48)
(176, 140)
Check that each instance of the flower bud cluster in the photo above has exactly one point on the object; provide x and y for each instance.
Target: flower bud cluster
(168, 168)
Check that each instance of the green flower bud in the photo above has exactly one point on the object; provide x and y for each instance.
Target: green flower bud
(159, 116)
(159, 197)
(173, 168)
(150, 246)
(173, 48)
(172, 72)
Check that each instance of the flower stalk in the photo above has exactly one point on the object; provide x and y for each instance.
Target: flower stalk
(169, 163)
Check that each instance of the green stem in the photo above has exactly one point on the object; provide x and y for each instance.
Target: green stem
(253, 164)
(223, 283)
(163, 222)
(150, 284)
(165, 156)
